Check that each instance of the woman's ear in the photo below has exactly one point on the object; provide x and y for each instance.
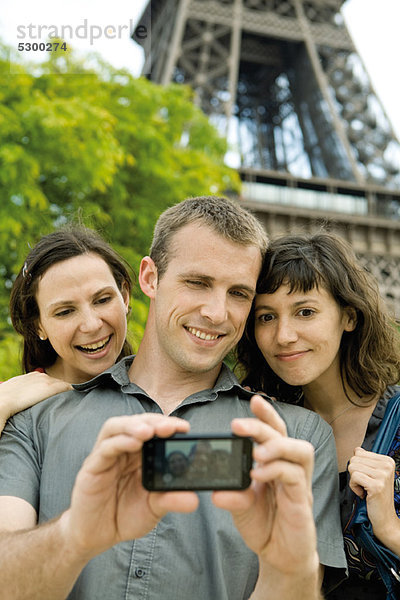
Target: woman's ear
(41, 333)
(148, 277)
(125, 295)
(350, 318)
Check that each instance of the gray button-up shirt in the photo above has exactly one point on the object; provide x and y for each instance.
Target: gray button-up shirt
(201, 555)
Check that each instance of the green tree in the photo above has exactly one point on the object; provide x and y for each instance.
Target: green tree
(99, 143)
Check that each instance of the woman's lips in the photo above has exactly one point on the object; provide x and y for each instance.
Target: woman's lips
(288, 357)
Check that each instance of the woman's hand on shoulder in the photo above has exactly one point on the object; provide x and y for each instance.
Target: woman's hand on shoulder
(23, 391)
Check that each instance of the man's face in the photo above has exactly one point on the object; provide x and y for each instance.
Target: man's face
(204, 297)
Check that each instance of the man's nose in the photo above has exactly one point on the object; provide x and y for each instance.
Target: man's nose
(215, 308)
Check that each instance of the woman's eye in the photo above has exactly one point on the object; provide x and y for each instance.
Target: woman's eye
(265, 318)
(64, 313)
(306, 312)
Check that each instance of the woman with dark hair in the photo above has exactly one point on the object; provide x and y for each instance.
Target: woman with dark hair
(319, 335)
(69, 302)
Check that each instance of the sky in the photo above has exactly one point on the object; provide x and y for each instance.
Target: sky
(373, 25)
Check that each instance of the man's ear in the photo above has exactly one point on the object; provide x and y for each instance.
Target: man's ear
(350, 318)
(148, 277)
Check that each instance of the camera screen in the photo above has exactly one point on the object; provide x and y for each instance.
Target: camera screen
(207, 463)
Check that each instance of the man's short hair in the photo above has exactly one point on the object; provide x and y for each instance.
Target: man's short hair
(224, 216)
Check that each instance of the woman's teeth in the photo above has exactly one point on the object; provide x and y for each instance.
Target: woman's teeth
(95, 347)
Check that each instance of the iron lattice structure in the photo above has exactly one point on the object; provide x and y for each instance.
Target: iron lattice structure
(282, 79)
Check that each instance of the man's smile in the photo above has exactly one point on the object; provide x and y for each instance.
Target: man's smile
(203, 335)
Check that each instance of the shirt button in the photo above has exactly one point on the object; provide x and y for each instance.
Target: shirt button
(140, 572)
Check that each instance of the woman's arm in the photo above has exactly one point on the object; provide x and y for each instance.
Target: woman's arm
(24, 391)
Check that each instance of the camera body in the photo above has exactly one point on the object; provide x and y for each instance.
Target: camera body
(197, 462)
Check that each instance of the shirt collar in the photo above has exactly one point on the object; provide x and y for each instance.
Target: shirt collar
(119, 373)
(228, 381)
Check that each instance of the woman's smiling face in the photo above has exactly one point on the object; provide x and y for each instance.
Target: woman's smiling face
(83, 315)
(299, 333)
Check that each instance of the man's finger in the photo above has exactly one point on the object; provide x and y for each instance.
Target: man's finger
(266, 413)
(256, 429)
(294, 451)
(143, 426)
(290, 475)
(161, 503)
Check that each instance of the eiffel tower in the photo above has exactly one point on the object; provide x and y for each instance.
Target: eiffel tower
(282, 80)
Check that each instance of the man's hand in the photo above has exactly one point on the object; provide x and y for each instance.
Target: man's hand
(109, 503)
(274, 516)
(23, 391)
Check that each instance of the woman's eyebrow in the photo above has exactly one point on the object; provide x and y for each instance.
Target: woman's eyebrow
(59, 303)
(297, 303)
(63, 302)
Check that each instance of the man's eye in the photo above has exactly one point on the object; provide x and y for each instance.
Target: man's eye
(103, 300)
(195, 282)
(239, 294)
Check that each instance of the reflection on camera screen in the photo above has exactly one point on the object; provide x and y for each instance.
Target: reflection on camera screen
(198, 463)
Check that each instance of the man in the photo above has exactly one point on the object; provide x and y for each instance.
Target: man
(111, 538)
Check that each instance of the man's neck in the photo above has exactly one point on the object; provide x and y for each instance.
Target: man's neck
(165, 382)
